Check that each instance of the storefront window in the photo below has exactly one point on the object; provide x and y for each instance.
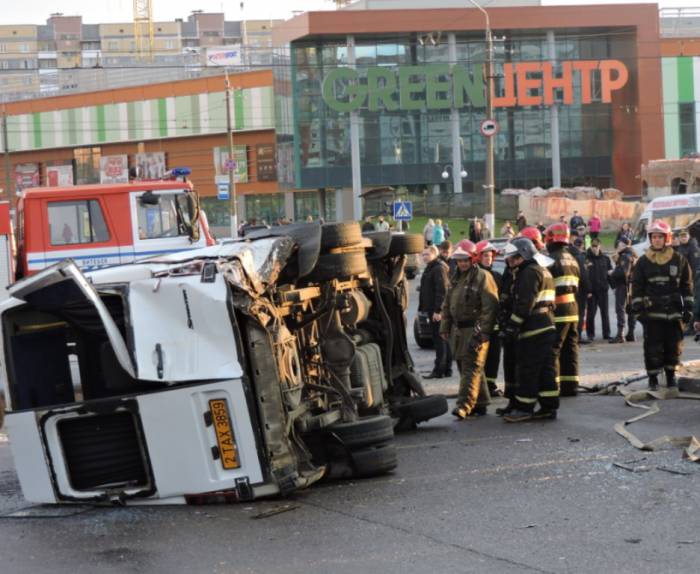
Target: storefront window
(267, 208)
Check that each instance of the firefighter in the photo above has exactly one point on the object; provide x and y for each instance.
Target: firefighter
(468, 319)
(485, 253)
(662, 300)
(508, 344)
(566, 274)
(531, 324)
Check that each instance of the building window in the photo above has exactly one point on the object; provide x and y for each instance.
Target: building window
(264, 208)
(87, 165)
(686, 114)
(74, 222)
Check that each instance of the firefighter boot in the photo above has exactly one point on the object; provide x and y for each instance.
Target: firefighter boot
(653, 383)
(630, 337)
(671, 379)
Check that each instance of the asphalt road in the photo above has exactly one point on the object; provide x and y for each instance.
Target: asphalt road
(476, 496)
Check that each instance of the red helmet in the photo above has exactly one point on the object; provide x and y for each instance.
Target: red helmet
(556, 233)
(465, 250)
(661, 227)
(484, 246)
(534, 235)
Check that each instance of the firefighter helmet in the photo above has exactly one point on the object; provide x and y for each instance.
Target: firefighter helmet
(465, 250)
(661, 227)
(484, 246)
(522, 246)
(534, 235)
(557, 233)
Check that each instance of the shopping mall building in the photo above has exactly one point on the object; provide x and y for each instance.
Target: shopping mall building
(577, 95)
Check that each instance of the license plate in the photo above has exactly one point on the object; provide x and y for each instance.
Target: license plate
(228, 454)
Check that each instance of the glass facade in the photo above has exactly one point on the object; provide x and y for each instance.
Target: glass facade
(412, 146)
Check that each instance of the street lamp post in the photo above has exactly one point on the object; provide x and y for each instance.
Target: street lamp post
(490, 212)
(233, 208)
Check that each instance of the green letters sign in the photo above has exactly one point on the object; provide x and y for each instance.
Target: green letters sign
(440, 86)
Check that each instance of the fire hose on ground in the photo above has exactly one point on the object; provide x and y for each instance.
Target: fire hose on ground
(635, 399)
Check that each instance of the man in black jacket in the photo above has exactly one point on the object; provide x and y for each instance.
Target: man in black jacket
(433, 286)
(584, 287)
(598, 265)
(625, 259)
(688, 248)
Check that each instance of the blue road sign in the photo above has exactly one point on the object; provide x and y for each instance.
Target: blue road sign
(403, 210)
(222, 191)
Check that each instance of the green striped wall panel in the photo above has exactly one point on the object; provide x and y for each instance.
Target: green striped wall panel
(252, 108)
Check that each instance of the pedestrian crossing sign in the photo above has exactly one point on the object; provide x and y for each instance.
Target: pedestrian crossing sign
(403, 210)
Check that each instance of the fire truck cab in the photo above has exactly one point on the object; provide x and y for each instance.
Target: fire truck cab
(104, 225)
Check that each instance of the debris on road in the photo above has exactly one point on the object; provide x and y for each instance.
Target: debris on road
(276, 510)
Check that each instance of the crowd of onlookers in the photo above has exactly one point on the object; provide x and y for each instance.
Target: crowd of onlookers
(601, 272)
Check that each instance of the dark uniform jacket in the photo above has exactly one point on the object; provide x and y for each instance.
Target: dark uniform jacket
(433, 286)
(598, 267)
(532, 300)
(471, 300)
(566, 275)
(584, 285)
(662, 285)
(497, 277)
(624, 262)
(691, 252)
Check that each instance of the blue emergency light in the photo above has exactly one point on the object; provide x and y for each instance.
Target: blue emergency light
(177, 172)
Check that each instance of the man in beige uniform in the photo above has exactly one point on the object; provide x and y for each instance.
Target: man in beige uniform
(468, 320)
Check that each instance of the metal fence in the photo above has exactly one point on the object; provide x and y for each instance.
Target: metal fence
(441, 205)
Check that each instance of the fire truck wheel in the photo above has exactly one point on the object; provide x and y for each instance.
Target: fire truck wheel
(405, 244)
(339, 266)
(341, 234)
(375, 460)
(364, 432)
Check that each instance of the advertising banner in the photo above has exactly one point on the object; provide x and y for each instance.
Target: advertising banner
(59, 175)
(266, 162)
(150, 165)
(228, 56)
(26, 176)
(239, 164)
(114, 169)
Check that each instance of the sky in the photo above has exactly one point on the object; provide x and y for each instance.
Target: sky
(97, 11)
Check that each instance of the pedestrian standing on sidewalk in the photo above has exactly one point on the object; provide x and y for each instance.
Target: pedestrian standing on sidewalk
(576, 221)
(688, 248)
(468, 320)
(445, 249)
(624, 260)
(662, 300)
(438, 233)
(599, 266)
(507, 230)
(584, 287)
(428, 232)
(433, 286)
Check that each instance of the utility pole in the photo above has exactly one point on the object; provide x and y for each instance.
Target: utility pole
(490, 185)
(490, 211)
(233, 210)
(6, 149)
